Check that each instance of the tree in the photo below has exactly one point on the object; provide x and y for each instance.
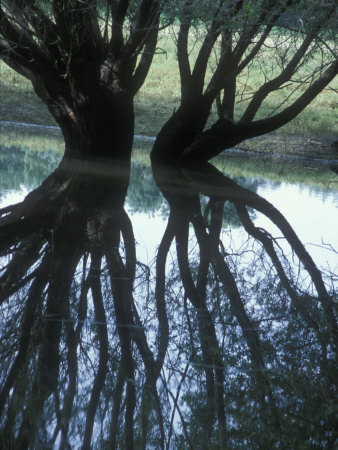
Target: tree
(84, 66)
(298, 38)
(87, 59)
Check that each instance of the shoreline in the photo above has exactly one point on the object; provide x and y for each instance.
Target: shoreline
(297, 147)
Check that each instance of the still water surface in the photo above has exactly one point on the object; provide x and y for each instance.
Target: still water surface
(197, 311)
(312, 210)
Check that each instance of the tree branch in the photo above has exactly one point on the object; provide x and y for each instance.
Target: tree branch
(144, 64)
(183, 57)
(266, 125)
(101, 324)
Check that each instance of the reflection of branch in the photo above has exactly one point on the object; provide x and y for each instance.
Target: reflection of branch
(101, 325)
(207, 334)
(129, 243)
(163, 334)
(130, 329)
(121, 379)
(23, 259)
(213, 183)
(34, 297)
(176, 406)
(124, 322)
(64, 261)
(250, 334)
(267, 242)
(73, 339)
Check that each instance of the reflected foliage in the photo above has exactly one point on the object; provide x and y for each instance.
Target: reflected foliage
(227, 340)
(143, 194)
(19, 167)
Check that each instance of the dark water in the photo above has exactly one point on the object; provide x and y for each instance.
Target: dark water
(181, 309)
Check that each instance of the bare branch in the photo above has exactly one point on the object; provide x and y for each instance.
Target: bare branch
(183, 57)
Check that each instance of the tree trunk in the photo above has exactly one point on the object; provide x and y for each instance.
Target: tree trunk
(180, 131)
(183, 140)
(96, 121)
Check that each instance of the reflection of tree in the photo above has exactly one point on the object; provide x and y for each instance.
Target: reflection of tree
(231, 346)
(79, 366)
(59, 228)
(212, 262)
(144, 195)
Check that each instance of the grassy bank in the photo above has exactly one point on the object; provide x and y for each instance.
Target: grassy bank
(311, 132)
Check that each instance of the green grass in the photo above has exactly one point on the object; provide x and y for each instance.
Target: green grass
(160, 95)
(18, 101)
(32, 139)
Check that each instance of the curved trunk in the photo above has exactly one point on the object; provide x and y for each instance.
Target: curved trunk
(180, 131)
(183, 139)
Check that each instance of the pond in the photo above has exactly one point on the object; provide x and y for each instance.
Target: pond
(161, 307)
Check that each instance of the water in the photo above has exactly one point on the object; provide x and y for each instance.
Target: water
(312, 210)
(196, 310)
